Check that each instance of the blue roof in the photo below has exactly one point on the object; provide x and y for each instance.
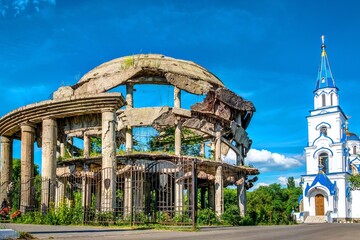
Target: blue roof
(353, 137)
(325, 78)
(324, 181)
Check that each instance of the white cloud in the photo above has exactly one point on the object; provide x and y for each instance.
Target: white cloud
(260, 184)
(283, 180)
(268, 161)
(16, 7)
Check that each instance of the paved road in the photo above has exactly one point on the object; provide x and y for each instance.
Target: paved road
(294, 232)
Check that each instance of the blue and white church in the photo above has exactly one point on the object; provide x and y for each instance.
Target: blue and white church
(332, 154)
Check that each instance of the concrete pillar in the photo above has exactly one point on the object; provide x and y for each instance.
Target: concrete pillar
(178, 138)
(211, 197)
(219, 192)
(129, 105)
(128, 196)
(62, 149)
(202, 149)
(59, 193)
(238, 119)
(48, 162)
(129, 139)
(129, 95)
(219, 182)
(177, 97)
(86, 192)
(108, 150)
(6, 166)
(179, 195)
(87, 145)
(27, 166)
(239, 157)
(218, 143)
(70, 141)
(241, 192)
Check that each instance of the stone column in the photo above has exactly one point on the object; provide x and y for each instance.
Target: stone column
(219, 192)
(211, 197)
(6, 166)
(70, 141)
(179, 187)
(219, 184)
(27, 166)
(87, 145)
(202, 149)
(178, 137)
(59, 193)
(86, 192)
(48, 162)
(108, 150)
(129, 105)
(128, 195)
(177, 97)
(241, 191)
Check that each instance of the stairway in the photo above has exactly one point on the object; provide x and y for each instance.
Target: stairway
(315, 219)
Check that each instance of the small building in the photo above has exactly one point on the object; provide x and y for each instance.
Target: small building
(151, 184)
(331, 155)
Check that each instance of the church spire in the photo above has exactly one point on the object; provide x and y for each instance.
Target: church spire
(325, 78)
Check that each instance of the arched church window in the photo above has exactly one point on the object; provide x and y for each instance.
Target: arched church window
(332, 99)
(323, 130)
(354, 149)
(323, 162)
(323, 101)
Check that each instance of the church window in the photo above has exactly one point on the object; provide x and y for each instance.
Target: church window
(323, 130)
(354, 149)
(323, 102)
(332, 99)
(323, 162)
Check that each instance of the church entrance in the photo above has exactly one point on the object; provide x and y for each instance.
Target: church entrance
(319, 205)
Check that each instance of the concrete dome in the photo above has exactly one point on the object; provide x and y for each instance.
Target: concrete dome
(147, 69)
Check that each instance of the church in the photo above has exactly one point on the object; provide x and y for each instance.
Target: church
(332, 155)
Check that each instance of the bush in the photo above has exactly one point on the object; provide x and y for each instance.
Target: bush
(231, 216)
(207, 217)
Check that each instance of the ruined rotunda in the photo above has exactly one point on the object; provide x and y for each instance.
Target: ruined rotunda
(108, 171)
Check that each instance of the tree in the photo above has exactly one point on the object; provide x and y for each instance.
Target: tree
(291, 183)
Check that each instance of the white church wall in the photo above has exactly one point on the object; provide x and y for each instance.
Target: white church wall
(355, 210)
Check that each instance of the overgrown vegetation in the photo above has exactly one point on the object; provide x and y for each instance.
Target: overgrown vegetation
(354, 181)
(165, 141)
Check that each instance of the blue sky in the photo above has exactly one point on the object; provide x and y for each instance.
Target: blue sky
(266, 51)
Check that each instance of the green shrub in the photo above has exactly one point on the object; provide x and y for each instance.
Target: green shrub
(207, 217)
(231, 216)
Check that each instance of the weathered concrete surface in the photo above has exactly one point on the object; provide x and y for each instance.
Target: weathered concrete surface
(292, 232)
(27, 164)
(49, 143)
(6, 165)
(147, 68)
(108, 151)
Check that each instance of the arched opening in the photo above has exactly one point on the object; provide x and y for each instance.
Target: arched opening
(319, 205)
(323, 129)
(354, 149)
(323, 100)
(332, 99)
(323, 162)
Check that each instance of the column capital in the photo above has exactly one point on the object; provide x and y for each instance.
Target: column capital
(6, 139)
(28, 127)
